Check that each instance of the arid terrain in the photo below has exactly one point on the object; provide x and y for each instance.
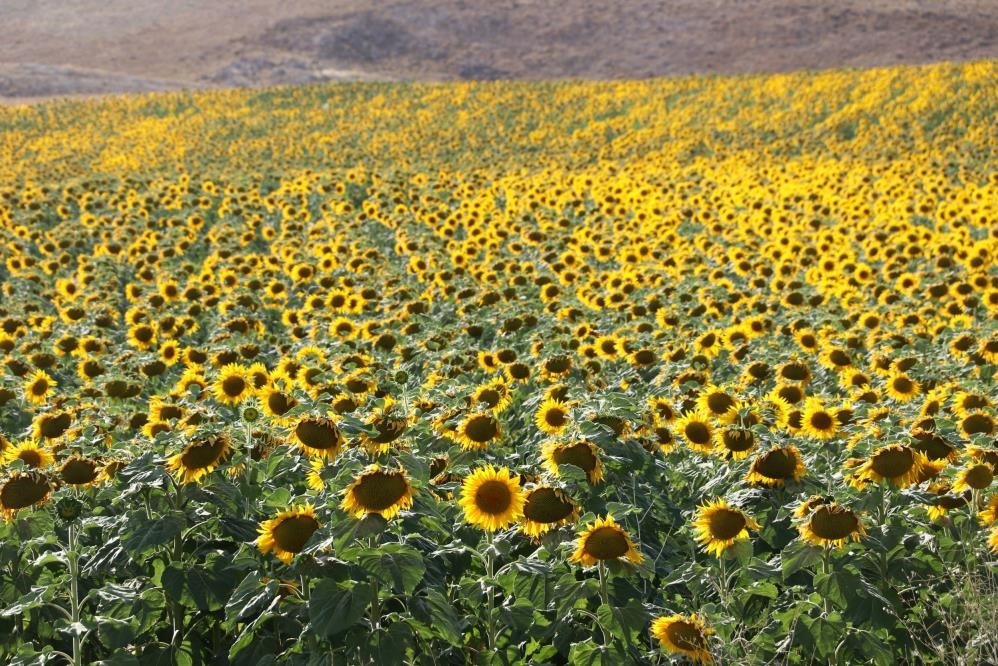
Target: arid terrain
(53, 48)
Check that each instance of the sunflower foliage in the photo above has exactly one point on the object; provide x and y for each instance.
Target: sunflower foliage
(698, 369)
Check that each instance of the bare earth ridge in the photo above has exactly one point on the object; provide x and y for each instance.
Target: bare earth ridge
(56, 48)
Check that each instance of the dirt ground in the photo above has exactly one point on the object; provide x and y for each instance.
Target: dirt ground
(56, 48)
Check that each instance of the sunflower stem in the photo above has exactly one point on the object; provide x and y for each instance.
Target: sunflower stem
(74, 595)
(603, 593)
(826, 568)
(490, 608)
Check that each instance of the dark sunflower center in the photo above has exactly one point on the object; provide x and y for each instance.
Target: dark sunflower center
(143, 334)
(546, 505)
(278, 403)
(78, 471)
(833, 523)
(950, 502)
(608, 347)
(493, 497)
(934, 448)
(822, 421)
(30, 457)
(53, 426)
(606, 543)
(554, 417)
(726, 523)
(720, 403)
(203, 454)
(481, 429)
(978, 423)
(389, 430)
(697, 432)
(795, 372)
(791, 394)
(356, 385)
(777, 464)
(580, 455)
(39, 387)
(902, 385)
(233, 386)
(893, 462)
(686, 636)
(645, 357)
(979, 477)
(379, 490)
(318, 435)
(557, 365)
(293, 533)
(738, 440)
(974, 402)
(839, 358)
(23, 491)
(167, 412)
(490, 397)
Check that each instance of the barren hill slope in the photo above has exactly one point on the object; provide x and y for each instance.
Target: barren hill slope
(61, 47)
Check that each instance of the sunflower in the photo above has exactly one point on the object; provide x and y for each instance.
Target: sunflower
(976, 477)
(389, 423)
(719, 526)
(556, 367)
(661, 410)
(31, 453)
(317, 436)
(385, 492)
(233, 385)
(276, 403)
(476, 431)
(685, 635)
(287, 533)
(965, 402)
(989, 514)
(604, 540)
(717, 403)
(735, 443)
(977, 423)
(775, 466)
(142, 336)
(552, 416)
(80, 471)
(831, 525)
(21, 490)
(582, 454)
(902, 388)
(492, 498)
(200, 458)
(899, 464)
(545, 508)
(494, 395)
(993, 539)
(817, 421)
(39, 387)
(695, 428)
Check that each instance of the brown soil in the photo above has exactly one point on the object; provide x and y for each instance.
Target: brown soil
(54, 48)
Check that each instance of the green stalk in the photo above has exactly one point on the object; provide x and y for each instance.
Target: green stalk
(74, 595)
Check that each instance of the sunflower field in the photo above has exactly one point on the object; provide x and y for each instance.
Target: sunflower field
(686, 370)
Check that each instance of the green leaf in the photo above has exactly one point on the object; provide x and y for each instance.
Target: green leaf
(395, 564)
(250, 597)
(625, 623)
(144, 535)
(436, 612)
(798, 556)
(335, 607)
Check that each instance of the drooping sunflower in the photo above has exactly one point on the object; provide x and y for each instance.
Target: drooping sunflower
(831, 525)
(552, 416)
(22, 490)
(80, 471)
(390, 423)
(604, 540)
(817, 421)
(977, 423)
(376, 490)
(545, 508)
(477, 431)
(233, 385)
(685, 635)
(492, 498)
(581, 453)
(287, 532)
(695, 428)
(39, 387)
(974, 477)
(899, 464)
(199, 458)
(317, 436)
(735, 443)
(775, 466)
(719, 526)
(31, 453)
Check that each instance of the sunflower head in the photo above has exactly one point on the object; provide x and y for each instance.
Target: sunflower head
(685, 635)
(546, 508)
(492, 498)
(552, 416)
(604, 540)
(199, 458)
(29, 452)
(22, 490)
(581, 453)
(233, 385)
(287, 533)
(376, 490)
(317, 436)
(775, 466)
(696, 429)
(831, 525)
(719, 526)
(477, 431)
